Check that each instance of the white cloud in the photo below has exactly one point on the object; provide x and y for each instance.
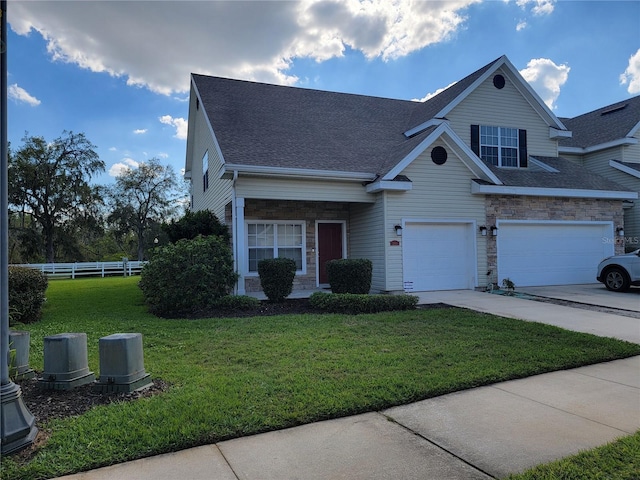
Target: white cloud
(546, 78)
(522, 24)
(113, 149)
(119, 168)
(540, 7)
(631, 75)
(431, 95)
(163, 155)
(267, 36)
(19, 94)
(140, 131)
(180, 125)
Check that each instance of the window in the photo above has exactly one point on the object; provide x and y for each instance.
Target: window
(275, 240)
(205, 171)
(500, 146)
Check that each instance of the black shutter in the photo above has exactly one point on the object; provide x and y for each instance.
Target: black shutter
(475, 139)
(522, 145)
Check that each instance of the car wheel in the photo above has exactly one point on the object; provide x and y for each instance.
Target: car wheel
(616, 280)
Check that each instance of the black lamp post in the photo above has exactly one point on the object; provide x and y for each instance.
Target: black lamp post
(17, 424)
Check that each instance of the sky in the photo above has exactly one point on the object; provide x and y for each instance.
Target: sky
(119, 71)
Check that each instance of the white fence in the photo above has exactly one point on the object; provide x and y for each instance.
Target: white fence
(74, 270)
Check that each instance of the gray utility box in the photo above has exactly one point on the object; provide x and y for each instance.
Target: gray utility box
(19, 342)
(122, 364)
(66, 363)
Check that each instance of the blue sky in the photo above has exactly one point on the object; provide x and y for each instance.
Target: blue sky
(119, 71)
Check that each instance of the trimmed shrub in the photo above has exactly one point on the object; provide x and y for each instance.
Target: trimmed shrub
(361, 303)
(276, 277)
(188, 276)
(350, 275)
(26, 294)
(237, 302)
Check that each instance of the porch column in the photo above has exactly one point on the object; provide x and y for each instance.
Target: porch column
(239, 240)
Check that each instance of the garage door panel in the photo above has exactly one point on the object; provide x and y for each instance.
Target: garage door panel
(438, 256)
(552, 254)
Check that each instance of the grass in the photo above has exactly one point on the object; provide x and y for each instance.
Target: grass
(238, 376)
(619, 460)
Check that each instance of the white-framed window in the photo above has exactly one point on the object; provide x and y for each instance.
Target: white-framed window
(205, 171)
(499, 146)
(276, 239)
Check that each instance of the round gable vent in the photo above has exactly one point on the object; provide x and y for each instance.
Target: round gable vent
(498, 82)
(439, 155)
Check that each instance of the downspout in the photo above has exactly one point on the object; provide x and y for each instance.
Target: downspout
(234, 227)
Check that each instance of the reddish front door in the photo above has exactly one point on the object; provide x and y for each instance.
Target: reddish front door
(329, 247)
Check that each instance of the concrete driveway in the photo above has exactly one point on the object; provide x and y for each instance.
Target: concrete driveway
(592, 294)
(571, 318)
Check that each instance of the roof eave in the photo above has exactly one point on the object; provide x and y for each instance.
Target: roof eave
(227, 170)
(479, 189)
(620, 142)
(624, 168)
(389, 185)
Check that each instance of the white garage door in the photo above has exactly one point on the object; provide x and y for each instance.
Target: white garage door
(438, 256)
(552, 253)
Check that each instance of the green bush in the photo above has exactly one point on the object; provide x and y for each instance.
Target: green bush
(276, 277)
(361, 303)
(26, 294)
(192, 224)
(237, 302)
(350, 275)
(188, 276)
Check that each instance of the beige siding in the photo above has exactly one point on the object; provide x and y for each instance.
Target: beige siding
(367, 238)
(291, 189)
(631, 153)
(487, 105)
(598, 162)
(439, 192)
(219, 192)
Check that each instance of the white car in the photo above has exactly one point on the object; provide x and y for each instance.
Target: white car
(619, 272)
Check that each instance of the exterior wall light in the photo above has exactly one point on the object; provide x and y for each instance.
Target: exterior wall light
(483, 230)
(620, 231)
(398, 229)
(494, 230)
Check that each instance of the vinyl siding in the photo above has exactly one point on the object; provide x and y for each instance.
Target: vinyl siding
(439, 192)
(598, 162)
(487, 105)
(367, 238)
(292, 189)
(220, 190)
(631, 153)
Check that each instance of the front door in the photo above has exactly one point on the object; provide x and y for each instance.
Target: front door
(329, 247)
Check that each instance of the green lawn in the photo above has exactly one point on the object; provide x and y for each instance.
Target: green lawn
(238, 376)
(619, 460)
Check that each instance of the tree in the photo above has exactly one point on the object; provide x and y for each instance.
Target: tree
(50, 181)
(142, 198)
(192, 224)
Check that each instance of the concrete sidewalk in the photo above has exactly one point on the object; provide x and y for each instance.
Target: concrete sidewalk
(481, 433)
(475, 434)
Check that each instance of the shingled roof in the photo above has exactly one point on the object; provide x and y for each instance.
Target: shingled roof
(566, 175)
(259, 124)
(604, 125)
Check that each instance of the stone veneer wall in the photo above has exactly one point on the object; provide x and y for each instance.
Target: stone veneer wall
(510, 207)
(296, 210)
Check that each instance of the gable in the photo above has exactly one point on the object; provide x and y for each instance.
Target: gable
(505, 107)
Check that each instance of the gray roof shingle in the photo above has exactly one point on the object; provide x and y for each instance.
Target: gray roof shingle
(569, 175)
(603, 125)
(265, 125)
